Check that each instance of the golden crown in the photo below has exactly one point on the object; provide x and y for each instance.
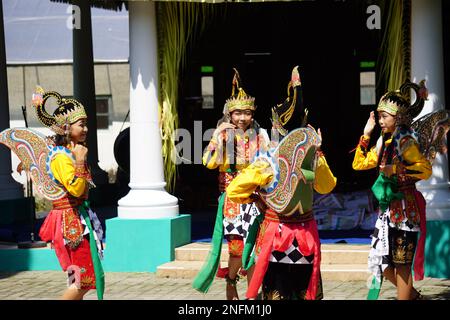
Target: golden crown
(239, 100)
(67, 112)
(243, 102)
(387, 104)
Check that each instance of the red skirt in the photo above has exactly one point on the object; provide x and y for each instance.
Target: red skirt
(77, 261)
(270, 239)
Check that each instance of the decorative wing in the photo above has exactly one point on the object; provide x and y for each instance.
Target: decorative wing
(293, 162)
(432, 130)
(35, 151)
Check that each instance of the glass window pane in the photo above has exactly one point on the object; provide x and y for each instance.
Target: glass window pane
(367, 88)
(208, 92)
(102, 105)
(368, 96)
(367, 78)
(102, 122)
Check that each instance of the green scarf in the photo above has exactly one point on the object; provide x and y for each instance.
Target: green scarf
(98, 269)
(375, 288)
(207, 273)
(248, 259)
(384, 190)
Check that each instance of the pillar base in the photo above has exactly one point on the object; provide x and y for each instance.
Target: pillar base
(141, 245)
(147, 204)
(437, 249)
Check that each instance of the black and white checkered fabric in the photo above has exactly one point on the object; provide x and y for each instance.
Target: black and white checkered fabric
(291, 256)
(240, 224)
(379, 250)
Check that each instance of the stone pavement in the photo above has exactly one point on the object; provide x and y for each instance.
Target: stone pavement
(49, 285)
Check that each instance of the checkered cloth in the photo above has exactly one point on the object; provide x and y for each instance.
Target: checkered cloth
(379, 251)
(291, 256)
(240, 224)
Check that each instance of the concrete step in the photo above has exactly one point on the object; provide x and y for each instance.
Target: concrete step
(181, 269)
(331, 253)
(345, 272)
(334, 272)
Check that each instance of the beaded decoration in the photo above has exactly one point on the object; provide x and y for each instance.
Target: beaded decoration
(33, 150)
(294, 162)
(239, 100)
(432, 131)
(67, 112)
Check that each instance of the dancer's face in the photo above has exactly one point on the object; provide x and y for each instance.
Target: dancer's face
(78, 131)
(242, 119)
(386, 121)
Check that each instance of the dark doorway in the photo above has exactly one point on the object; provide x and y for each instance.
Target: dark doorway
(264, 41)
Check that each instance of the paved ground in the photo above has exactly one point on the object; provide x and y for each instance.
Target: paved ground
(36, 285)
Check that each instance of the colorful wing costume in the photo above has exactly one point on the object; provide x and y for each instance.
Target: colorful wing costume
(293, 161)
(36, 152)
(431, 130)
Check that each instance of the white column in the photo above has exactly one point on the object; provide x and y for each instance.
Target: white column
(427, 63)
(147, 198)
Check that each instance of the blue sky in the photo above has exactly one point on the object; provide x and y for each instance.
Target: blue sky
(36, 32)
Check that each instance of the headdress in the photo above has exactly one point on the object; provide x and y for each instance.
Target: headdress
(67, 112)
(283, 112)
(397, 102)
(239, 100)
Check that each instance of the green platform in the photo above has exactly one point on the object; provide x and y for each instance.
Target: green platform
(44, 259)
(437, 249)
(144, 244)
(132, 245)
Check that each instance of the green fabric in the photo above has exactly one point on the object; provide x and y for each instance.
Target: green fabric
(248, 259)
(207, 273)
(384, 190)
(375, 288)
(98, 269)
(309, 175)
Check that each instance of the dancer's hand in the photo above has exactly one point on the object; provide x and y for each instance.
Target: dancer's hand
(370, 125)
(79, 151)
(388, 170)
(223, 126)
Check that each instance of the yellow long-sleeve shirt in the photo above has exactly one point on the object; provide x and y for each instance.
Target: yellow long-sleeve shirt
(417, 166)
(65, 172)
(260, 173)
(220, 154)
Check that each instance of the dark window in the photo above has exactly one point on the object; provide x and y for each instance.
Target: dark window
(102, 108)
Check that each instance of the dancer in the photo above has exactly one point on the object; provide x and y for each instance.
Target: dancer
(401, 161)
(236, 140)
(60, 173)
(282, 181)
